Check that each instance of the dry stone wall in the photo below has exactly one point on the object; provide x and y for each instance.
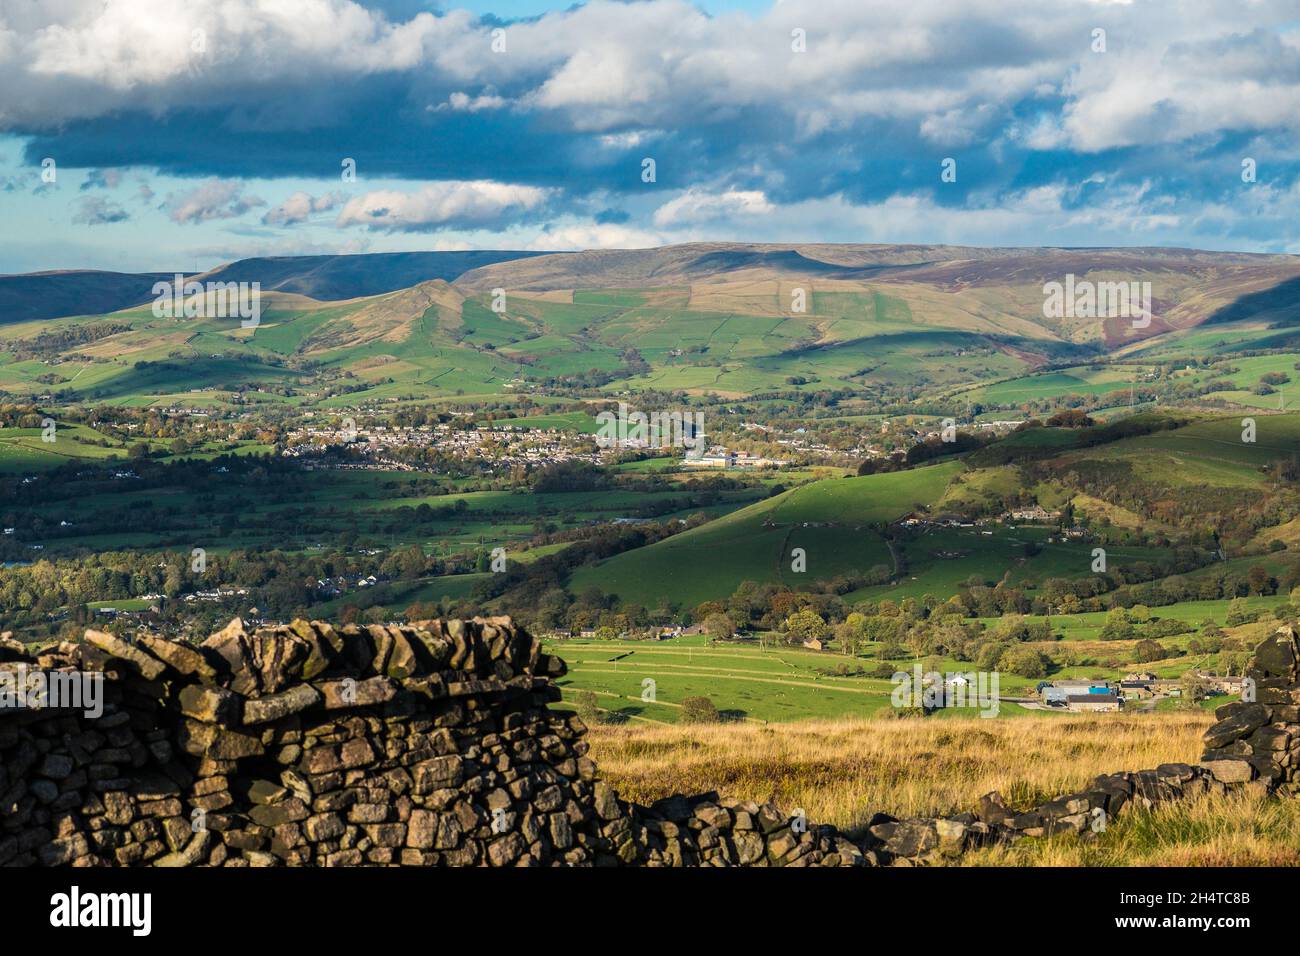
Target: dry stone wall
(421, 745)
(1257, 742)
(432, 744)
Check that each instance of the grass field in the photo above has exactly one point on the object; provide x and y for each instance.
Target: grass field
(744, 680)
(751, 681)
(843, 771)
(1098, 380)
(940, 560)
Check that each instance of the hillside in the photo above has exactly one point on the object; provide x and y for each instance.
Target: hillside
(716, 321)
(837, 522)
(48, 295)
(1183, 483)
(52, 295)
(335, 277)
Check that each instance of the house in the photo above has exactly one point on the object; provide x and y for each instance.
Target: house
(1141, 676)
(814, 645)
(1222, 685)
(1093, 703)
(1136, 689)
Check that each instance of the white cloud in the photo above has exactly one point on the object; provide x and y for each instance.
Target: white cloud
(698, 206)
(299, 208)
(464, 103)
(476, 203)
(1174, 68)
(580, 236)
(213, 199)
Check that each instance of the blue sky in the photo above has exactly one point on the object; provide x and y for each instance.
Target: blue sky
(183, 134)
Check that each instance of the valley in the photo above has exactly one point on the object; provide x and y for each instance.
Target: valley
(909, 461)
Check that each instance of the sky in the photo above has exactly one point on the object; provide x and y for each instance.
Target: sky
(158, 135)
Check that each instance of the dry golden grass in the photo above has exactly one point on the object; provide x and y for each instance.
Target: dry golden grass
(843, 771)
(1234, 830)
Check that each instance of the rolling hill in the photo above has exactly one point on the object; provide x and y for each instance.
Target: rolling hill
(837, 522)
(721, 320)
(52, 295)
(1164, 484)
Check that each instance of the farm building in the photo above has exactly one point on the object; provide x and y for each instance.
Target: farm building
(1034, 513)
(1136, 689)
(1094, 703)
(1220, 685)
(1058, 693)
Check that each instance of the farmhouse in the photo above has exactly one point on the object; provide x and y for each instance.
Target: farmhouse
(1035, 513)
(1216, 683)
(1136, 689)
(1223, 685)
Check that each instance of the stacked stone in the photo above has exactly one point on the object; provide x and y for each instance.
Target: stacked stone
(431, 744)
(1257, 742)
(305, 744)
(926, 840)
(703, 831)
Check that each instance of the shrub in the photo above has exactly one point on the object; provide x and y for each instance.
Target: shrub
(1024, 662)
(1145, 652)
(584, 702)
(699, 710)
